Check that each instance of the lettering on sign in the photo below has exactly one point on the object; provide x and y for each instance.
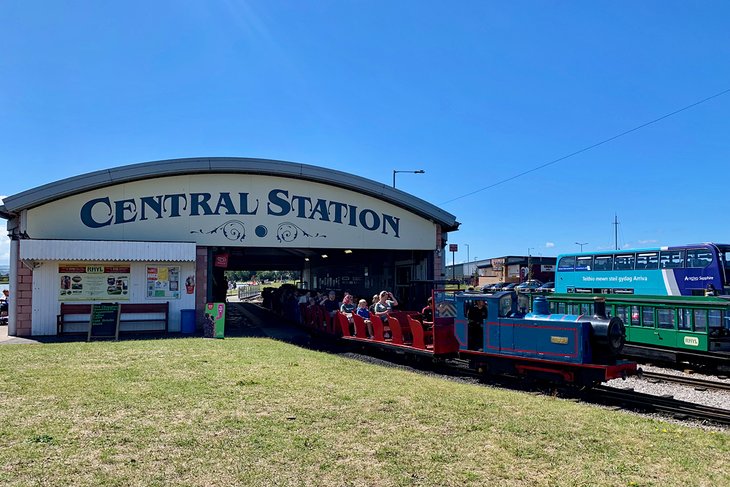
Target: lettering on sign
(692, 341)
(103, 212)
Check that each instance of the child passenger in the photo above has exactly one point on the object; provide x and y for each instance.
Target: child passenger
(362, 311)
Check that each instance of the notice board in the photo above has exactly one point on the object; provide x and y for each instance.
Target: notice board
(104, 321)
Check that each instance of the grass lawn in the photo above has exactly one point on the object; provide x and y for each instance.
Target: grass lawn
(251, 411)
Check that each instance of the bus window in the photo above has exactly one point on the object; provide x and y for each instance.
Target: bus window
(624, 262)
(621, 313)
(584, 263)
(635, 316)
(665, 318)
(603, 263)
(699, 258)
(647, 316)
(671, 259)
(700, 316)
(573, 309)
(714, 319)
(586, 309)
(561, 308)
(726, 257)
(649, 260)
(566, 263)
(685, 319)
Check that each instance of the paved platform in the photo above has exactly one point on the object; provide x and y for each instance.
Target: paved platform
(8, 340)
(243, 320)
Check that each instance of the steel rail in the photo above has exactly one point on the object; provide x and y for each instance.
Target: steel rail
(688, 381)
(665, 405)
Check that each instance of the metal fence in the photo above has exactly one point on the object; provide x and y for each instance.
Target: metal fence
(248, 291)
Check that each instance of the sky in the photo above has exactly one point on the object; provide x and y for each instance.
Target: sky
(472, 92)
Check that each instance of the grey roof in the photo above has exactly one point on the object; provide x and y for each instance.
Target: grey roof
(148, 170)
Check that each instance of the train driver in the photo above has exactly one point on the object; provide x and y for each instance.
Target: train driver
(475, 316)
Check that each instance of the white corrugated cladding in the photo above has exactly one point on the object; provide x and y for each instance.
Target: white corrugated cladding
(106, 250)
(46, 305)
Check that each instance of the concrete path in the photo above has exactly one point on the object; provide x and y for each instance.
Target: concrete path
(8, 340)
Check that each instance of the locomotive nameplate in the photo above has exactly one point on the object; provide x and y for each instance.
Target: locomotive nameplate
(560, 340)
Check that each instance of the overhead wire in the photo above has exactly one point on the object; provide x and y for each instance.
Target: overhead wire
(592, 146)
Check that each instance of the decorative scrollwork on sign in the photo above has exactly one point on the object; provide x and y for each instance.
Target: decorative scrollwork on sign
(232, 230)
(288, 232)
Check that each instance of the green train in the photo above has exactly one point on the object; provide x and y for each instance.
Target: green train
(692, 329)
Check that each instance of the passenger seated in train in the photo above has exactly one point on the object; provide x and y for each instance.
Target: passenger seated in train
(376, 298)
(330, 303)
(386, 302)
(476, 315)
(364, 313)
(427, 313)
(348, 305)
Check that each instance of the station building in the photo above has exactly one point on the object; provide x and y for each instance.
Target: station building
(165, 231)
(510, 268)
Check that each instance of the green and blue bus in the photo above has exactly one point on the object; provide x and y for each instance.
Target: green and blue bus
(687, 270)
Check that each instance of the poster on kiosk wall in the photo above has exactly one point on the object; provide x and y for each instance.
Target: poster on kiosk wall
(215, 320)
(93, 281)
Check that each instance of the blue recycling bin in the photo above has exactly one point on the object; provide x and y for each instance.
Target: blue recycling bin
(187, 320)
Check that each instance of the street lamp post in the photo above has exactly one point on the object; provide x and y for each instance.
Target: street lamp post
(475, 275)
(468, 263)
(581, 245)
(529, 263)
(419, 171)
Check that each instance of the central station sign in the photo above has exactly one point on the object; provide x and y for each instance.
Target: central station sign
(233, 210)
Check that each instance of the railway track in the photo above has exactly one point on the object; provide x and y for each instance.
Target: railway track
(665, 405)
(625, 399)
(687, 381)
(717, 361)
(629, 399)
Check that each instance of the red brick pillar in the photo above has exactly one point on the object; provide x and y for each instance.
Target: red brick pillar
(201, 284)
(22, 295)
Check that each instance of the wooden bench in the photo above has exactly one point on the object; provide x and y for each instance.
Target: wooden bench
(133, 317)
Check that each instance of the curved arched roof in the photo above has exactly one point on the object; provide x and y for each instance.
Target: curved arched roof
(231, 165)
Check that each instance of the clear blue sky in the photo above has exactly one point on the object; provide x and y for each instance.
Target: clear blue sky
(473, 92)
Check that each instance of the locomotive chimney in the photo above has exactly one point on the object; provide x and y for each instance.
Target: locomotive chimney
(599, 307)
